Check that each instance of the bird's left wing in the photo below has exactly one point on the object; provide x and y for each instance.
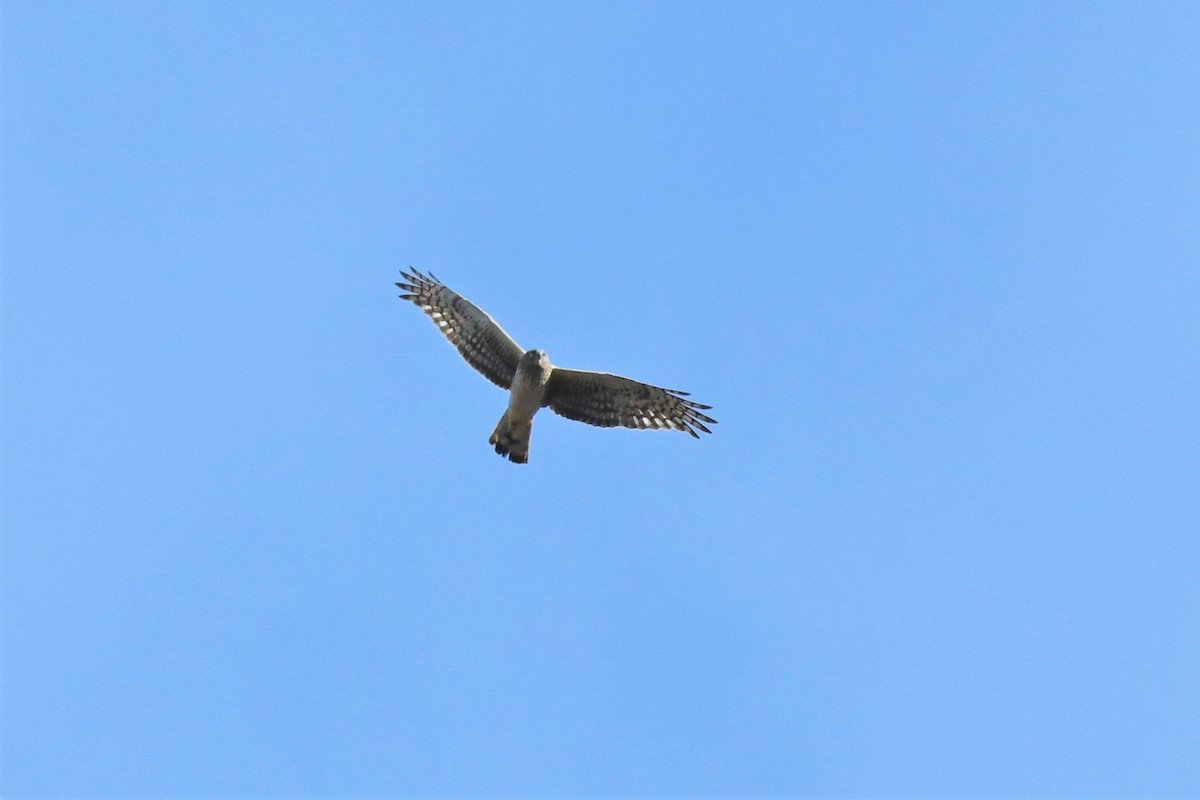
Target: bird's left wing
(599, 398)
(482, 342)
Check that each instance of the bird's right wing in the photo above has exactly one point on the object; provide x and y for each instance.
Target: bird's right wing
(482, 342)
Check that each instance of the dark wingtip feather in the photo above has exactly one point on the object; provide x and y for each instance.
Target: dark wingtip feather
(415, 276)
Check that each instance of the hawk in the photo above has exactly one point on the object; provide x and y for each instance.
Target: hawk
(596, 398)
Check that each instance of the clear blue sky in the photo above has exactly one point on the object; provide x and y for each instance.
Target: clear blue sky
(936, 266)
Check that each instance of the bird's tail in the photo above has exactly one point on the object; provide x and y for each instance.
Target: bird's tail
(511, 438)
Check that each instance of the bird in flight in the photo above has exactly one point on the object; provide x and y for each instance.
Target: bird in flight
(597, 398)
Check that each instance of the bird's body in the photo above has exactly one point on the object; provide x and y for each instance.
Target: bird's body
(597, 398)
(511, 437)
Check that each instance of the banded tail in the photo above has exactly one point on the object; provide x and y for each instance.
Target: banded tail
(511, 438)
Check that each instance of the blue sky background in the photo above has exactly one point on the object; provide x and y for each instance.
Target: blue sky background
(935, 265)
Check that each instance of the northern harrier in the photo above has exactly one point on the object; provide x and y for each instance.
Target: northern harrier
(596, 398)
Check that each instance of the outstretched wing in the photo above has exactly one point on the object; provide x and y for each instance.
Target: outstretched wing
(599, 398)
(482, 342)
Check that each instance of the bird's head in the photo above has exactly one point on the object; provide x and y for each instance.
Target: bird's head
(536, 358)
